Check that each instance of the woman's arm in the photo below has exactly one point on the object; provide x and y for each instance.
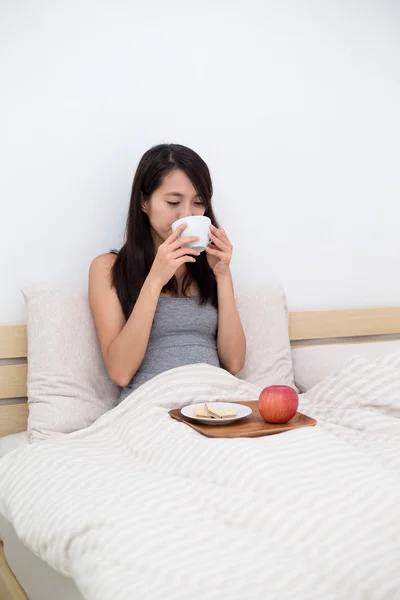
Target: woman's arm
(123, 343)
(231, 341)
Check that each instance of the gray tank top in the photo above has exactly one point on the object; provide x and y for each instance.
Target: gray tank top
(184, 332)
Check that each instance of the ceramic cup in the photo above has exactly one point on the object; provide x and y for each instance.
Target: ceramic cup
(196, 226)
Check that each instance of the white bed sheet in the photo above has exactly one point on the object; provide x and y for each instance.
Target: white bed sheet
(151, 504)
(10, 442)
(39, 581)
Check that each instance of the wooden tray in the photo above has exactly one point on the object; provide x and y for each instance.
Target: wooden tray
(251, 426)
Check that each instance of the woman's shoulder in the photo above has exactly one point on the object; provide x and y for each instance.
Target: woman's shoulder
(102, 265)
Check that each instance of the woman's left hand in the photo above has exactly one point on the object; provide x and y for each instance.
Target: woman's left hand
(219, 255)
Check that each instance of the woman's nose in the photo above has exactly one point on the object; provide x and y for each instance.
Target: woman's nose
(187, 212)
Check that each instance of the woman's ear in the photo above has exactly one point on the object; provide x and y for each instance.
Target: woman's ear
(143, 205)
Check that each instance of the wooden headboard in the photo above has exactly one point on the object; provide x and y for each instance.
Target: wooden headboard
(13, 378)
(305, 328)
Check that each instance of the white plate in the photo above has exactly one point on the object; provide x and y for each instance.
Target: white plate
(242, 411)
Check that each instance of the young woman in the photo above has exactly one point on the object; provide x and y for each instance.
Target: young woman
(156, 304)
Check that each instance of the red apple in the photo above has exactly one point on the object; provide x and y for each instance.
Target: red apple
(278, 403)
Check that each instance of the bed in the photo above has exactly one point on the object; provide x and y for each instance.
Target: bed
(23, 574)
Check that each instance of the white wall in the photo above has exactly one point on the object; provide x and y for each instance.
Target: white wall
(294, 106)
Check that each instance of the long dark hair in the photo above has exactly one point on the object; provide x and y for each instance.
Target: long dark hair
(135, 258)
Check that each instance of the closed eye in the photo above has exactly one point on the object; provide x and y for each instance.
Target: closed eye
(177, 203)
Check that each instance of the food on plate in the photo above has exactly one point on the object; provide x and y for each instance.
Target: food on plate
(201, 411)
(220, 412)
(278, 403)
(214, 412)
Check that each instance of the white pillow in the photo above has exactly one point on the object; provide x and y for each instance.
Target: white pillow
(360, 383)
(311, 364)
(391, 360)
(264, 316)
(68, 385)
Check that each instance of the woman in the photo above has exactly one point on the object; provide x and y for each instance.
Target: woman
(156, 304)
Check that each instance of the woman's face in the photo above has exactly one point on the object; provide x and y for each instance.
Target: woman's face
(174, 199)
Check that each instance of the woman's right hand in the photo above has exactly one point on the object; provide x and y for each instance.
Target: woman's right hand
(170, 255)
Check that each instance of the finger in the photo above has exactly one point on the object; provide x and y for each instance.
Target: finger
(186, 259)
(220, 243)
(225, 237)
(184, 252)
(224, 256)
(176, 233)
(220, 233)
(181, 241)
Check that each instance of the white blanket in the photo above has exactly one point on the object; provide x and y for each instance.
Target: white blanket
(139, 506)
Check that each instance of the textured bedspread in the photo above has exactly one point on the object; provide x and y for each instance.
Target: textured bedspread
(139, 506)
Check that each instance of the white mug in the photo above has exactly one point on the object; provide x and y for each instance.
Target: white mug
(197, 226)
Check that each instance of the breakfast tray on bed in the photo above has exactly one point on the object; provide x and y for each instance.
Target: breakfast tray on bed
(251, 426)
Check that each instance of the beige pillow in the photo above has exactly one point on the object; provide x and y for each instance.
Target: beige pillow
(68, 385)
(264, 317)
(311, 364)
